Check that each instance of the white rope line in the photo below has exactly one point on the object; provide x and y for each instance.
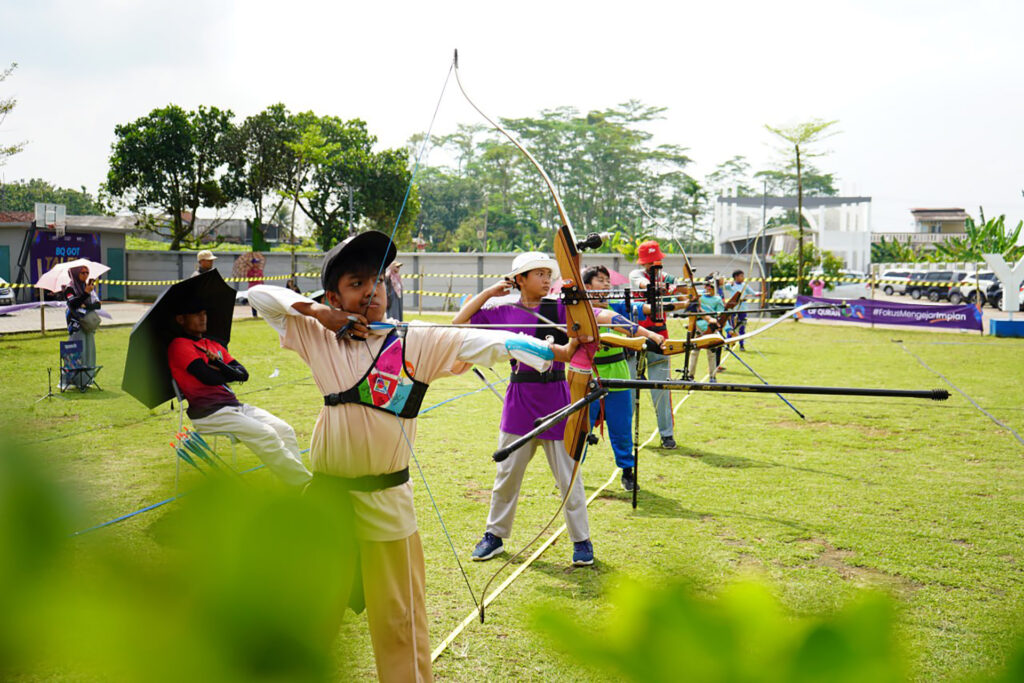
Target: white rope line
(474, 614)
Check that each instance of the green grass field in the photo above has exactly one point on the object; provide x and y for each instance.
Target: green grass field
(922, 499)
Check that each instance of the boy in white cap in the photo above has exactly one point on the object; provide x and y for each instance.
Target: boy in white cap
(530, 395)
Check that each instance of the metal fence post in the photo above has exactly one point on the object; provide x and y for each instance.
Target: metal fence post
(42, 312)
(419, 276)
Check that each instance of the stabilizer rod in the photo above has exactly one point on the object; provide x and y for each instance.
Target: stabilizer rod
(682, 385)
(543, 424)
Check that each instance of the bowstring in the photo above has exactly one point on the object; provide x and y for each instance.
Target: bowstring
(366, 341)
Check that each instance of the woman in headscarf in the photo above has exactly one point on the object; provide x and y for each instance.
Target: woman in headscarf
(82, 319)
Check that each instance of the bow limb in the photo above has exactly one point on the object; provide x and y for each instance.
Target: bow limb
(581, 324)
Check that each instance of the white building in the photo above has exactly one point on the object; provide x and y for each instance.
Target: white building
(841, 225)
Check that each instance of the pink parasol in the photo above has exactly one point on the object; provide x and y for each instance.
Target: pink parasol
(59, 277)
(245, 261)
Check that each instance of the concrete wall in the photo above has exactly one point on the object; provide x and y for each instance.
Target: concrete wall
(441, 271)
(437, 268)
(172, 265)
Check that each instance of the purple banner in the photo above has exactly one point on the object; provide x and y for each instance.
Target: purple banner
(48, 250)
(964, 317)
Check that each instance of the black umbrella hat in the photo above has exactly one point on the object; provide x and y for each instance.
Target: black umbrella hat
(147, 375)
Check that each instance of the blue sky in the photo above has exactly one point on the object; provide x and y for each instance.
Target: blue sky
(929, 95)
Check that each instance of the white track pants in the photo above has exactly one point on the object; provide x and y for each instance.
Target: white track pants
(270, 438)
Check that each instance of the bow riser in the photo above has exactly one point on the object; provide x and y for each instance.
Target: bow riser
(580, 322)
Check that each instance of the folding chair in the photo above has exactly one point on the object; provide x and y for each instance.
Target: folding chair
(232, 439)
(73, 372)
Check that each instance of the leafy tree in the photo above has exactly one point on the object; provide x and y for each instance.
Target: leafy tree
(894, 251)
(787, 265)
(783, 182)
(261, 162)
(169, 160)
(344, 181)
(22, 195)
(602, 163)
(448, 200)
(988, 237)
(732, 175)
(801, 139)
(7, 104)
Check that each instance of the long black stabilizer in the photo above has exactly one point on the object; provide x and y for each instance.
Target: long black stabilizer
(543, 424)
(683, 385)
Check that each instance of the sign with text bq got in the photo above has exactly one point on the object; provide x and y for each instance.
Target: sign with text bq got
(48, 250)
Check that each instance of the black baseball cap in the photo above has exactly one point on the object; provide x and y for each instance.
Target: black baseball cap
(372, 247)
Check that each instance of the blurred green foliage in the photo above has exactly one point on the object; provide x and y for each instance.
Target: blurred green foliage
(247, 587)
(671, 633)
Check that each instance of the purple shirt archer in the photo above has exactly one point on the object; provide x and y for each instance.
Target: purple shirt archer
(526, 401)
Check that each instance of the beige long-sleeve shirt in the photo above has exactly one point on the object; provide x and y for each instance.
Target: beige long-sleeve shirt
(352, 440)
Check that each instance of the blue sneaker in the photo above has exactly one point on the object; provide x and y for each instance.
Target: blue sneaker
(582, 553)
(489, 546)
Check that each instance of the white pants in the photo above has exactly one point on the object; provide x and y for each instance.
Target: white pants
(509, 479)
(270, 438)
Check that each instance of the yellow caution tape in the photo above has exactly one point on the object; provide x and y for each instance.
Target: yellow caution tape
(968, 282)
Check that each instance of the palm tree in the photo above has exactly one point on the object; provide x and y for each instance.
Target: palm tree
(801, 136)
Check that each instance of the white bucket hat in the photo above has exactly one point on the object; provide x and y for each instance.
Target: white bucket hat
(532, 260)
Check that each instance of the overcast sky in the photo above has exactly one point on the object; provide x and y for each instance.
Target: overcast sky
(929, 94)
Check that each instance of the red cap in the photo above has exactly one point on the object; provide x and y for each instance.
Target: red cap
(649, 252)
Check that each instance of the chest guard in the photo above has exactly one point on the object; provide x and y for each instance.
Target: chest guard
(388, 385)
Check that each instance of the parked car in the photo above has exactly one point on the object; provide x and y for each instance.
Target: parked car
(894, 281)
(930, 284)
(994, 295)
(242, 298)
(6, 293)
(972, 284)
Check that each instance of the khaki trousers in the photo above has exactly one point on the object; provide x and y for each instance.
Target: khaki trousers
(509, 479)
(394, 587)
(712, 362)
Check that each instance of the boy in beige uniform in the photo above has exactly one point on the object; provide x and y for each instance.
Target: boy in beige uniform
(360, 451)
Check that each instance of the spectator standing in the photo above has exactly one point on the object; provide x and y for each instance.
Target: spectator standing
(204, 262)
(817, 287)
(82, 320)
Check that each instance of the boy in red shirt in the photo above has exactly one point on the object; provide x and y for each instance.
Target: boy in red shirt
(202, 368)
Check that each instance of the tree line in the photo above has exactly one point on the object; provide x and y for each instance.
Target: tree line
(171, 163)
(609, 173)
